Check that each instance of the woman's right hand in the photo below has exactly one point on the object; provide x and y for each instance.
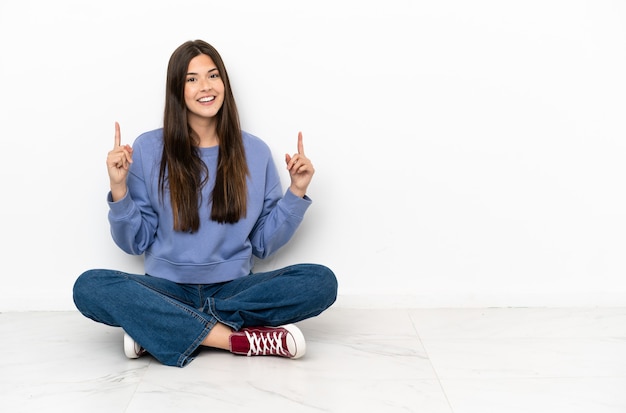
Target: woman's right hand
(118, 163)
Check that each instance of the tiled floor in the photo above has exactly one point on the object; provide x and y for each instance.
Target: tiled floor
(413, 360)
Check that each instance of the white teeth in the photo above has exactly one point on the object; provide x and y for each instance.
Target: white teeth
(206, 99)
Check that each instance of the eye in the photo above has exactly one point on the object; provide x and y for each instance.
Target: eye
(214, 75)
(191, 79)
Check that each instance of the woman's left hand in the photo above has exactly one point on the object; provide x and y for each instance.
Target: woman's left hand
(300, 170)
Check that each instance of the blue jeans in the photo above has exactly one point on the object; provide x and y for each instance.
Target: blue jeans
(170, 320)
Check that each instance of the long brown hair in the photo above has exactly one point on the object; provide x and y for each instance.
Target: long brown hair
(182, 169)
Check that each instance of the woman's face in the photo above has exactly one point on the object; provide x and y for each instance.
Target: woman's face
(204, 89)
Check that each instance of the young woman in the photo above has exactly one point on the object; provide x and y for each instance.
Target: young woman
(199, 198)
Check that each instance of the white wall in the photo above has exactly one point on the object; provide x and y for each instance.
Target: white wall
(468, 153)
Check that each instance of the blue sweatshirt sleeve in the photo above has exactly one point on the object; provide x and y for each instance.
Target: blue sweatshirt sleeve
(280, 218)
(132, 219)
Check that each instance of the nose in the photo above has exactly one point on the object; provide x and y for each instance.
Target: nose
(205, 85)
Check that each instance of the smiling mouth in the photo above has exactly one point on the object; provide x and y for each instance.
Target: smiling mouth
(206, 99)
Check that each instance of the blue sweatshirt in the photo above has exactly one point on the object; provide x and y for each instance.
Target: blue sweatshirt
(141, 223)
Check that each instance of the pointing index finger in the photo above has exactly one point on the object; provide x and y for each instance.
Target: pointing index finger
(118, 136)
(300, 145)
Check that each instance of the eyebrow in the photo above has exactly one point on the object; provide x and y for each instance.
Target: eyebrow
(208, 71)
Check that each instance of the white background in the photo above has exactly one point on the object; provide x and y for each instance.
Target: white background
(468, 153)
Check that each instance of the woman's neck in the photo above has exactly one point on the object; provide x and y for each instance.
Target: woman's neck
(204, 133)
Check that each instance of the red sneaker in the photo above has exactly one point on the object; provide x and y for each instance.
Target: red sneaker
(285, 341)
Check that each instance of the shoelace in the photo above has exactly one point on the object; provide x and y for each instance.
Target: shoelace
(266, 343)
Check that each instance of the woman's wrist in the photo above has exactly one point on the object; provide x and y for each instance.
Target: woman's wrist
(297, 192)
(118, 192)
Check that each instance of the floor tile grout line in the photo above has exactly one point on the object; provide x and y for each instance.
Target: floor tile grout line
(430, 361)
(139, 382)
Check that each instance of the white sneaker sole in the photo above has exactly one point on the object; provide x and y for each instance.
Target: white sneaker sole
(298, 346)
(132, 349)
